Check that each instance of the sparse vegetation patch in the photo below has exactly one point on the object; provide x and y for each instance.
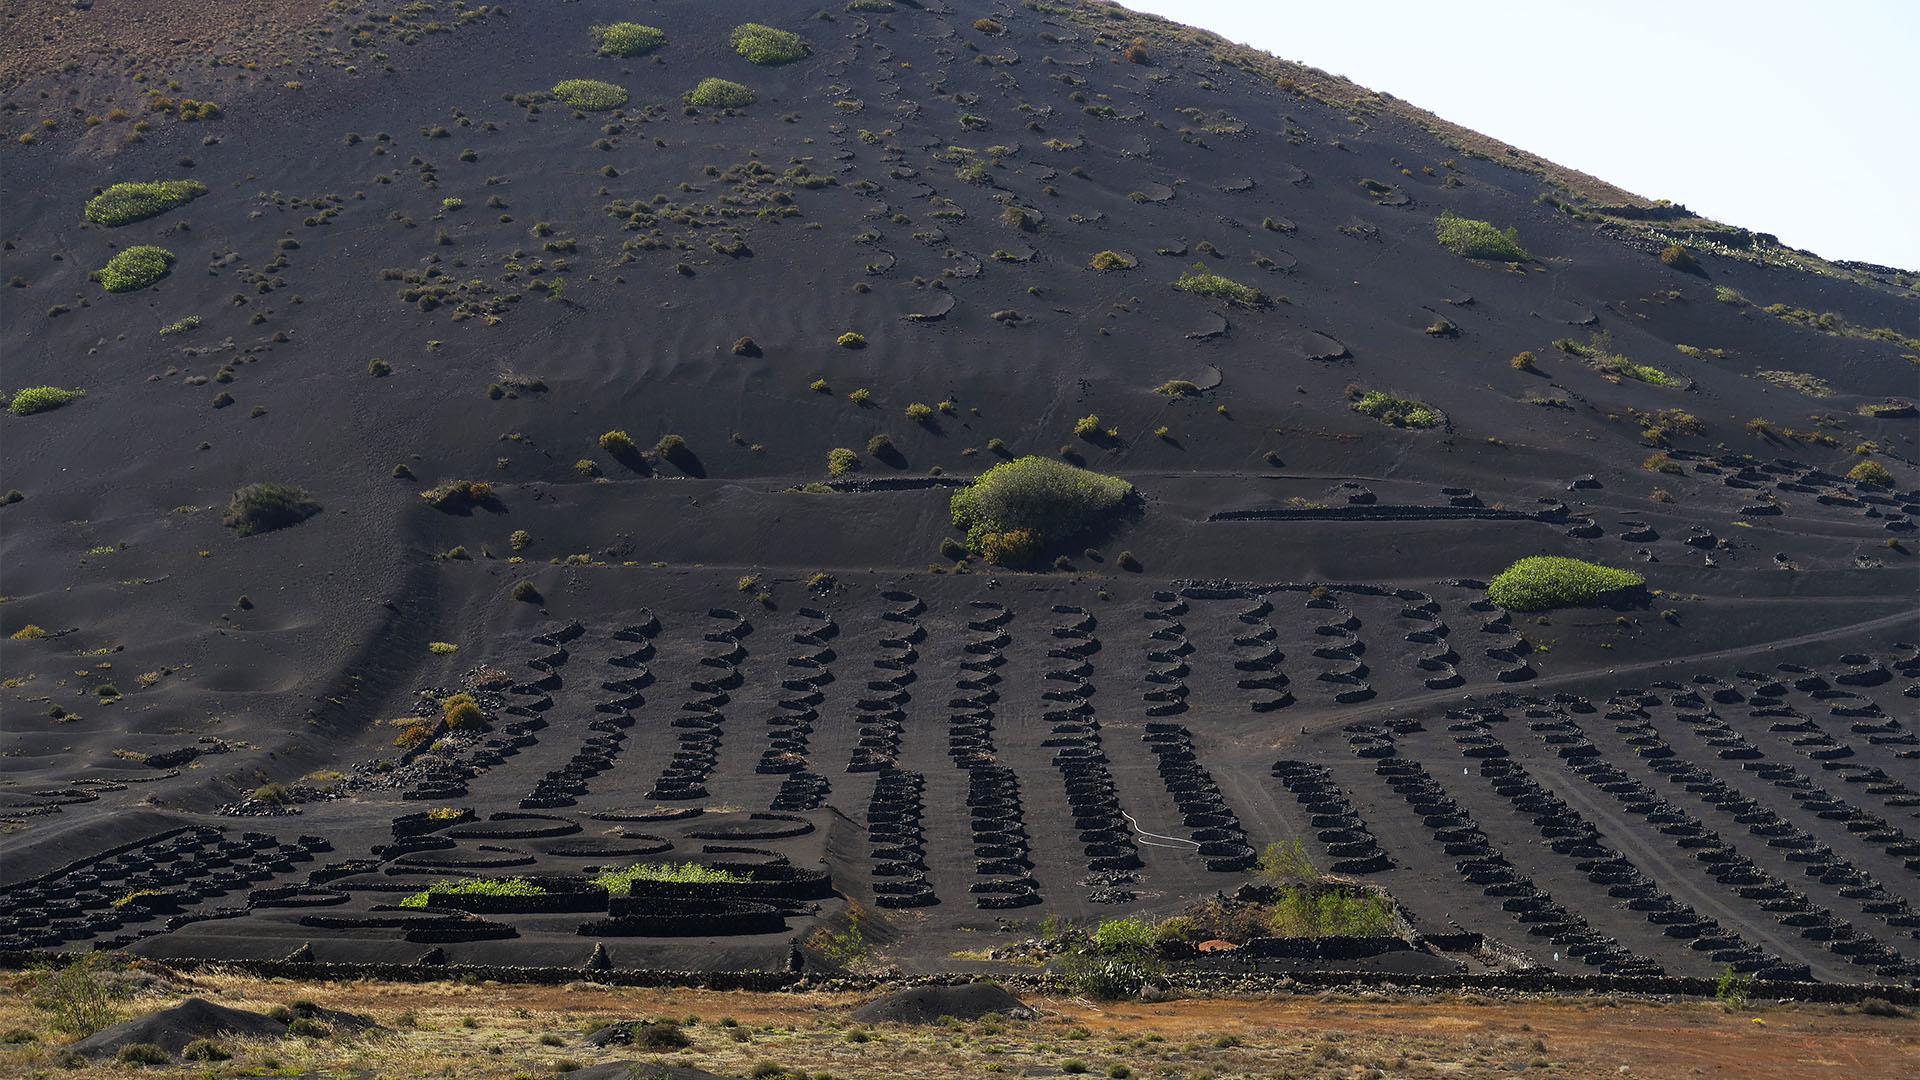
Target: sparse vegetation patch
(627, 39)
(259, 508)
(1473, 239)
(762, 44)
(33, 399)
(125, 203)
(590, 94)
(1202, 282)
(1400, 412)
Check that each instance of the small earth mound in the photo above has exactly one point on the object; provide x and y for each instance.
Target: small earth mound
(172, 1029)
(650, 1070)
(925, 1004)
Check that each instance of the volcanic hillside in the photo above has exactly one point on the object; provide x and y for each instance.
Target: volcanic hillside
(633, 408)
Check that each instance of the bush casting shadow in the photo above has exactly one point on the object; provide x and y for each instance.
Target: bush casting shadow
(259, 508)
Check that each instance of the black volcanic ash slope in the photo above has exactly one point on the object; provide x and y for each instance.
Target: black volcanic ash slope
(420, 287)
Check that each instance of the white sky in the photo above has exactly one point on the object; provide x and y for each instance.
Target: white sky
(1794, 118)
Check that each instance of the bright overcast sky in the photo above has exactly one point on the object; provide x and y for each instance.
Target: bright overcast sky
(1791, 118)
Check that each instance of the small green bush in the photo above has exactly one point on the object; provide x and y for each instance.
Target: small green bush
(135, 268)
(205, 1050)
(1871, 472)
(474, 887)
(1474, 239)
(881, 446)
(1400, 412)
(141, 1054)
(720, 94)
(32, 399)
(841, 461)
(618, 880)
(1049, 499)
(1110, 260)
(526, 591)
(660, 1035)
(617, 443)
(258, 508)
(1120, 937)
(1308, 912)
(1546, 581)
(1202, 282)
(762, 44)
(82, 993)
(851, 340)
(124, 203)
(627, 39)
(590, 94)
(1177, 388)
(1680, 259)
(919, 412)
(1087, 427)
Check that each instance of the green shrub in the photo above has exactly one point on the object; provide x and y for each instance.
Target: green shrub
(881, 446)
(1203, 282)
(1400, 412)
(627, 39)
(205, 1050)
(80, 994)
(660, 1035)
(851, 340)
(1870, 472)
(720, 94)
(526, 591)
(617, 443)
(590, 94)
(1546, 581)
(762, 44)
(141, 1054)
(474, 887)
(674, 449)
(1007, 547)
(1523, 362)
(1177, 388)
(462, 712)
(1049, 499)
(135, 268)
(1309, 912)
(1087, 427)
(1123, 937)
(124, 203)
(33, 399)
(1473, 239)
(1680, 259)
(617, 880)
(1287, 862)
(919, 412)
(310, 1029)
(841, 461)
(258, 508)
